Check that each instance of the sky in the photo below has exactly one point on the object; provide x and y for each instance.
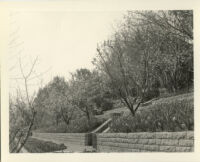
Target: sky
(62, 42)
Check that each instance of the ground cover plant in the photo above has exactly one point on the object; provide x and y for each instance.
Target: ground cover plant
(38, 146)
(177, 115)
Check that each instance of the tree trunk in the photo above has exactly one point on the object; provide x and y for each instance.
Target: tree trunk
(27, 134)
(88, 117)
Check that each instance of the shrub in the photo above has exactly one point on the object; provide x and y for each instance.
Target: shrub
(107, 105)
(177, 115)
(76, 126)
(151, 94)
(52, 128)
(81, 125)
(34, 145)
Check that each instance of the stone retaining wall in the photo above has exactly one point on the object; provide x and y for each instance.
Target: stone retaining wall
(66, 138)
(145, 142)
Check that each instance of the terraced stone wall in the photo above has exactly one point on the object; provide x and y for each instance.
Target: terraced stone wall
(145, 142)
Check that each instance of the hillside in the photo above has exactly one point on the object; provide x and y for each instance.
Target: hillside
(149, 105)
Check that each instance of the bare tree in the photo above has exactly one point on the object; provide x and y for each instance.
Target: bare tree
(27, 109)
(113, 61)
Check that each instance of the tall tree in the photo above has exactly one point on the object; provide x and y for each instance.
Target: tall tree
(174, 62)
(113, 61)
(54, 99)
(149, 50)
(81, 92)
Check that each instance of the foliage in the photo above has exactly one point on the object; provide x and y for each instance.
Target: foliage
(177, 115)
(153, 93)
(53, 101)
(150, 50)
(34, 145)
(88, 91)
(69, 101)
(107, 105)
(81, 92)
(172, 32)
(20, 117)
(79, 125)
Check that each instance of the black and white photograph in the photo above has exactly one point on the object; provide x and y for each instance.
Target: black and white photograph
(94, 81)
(101, 81)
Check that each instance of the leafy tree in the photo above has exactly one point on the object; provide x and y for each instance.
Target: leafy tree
(54, 99)
(80, 91)
(149, 50)
(174, 63)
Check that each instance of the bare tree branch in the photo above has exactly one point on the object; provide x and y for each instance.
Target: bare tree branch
(32, 67)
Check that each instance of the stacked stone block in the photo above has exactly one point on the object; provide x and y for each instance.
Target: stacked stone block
(145, 142)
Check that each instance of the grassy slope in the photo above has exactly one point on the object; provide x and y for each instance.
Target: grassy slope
(61, 128)
(125, 110)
